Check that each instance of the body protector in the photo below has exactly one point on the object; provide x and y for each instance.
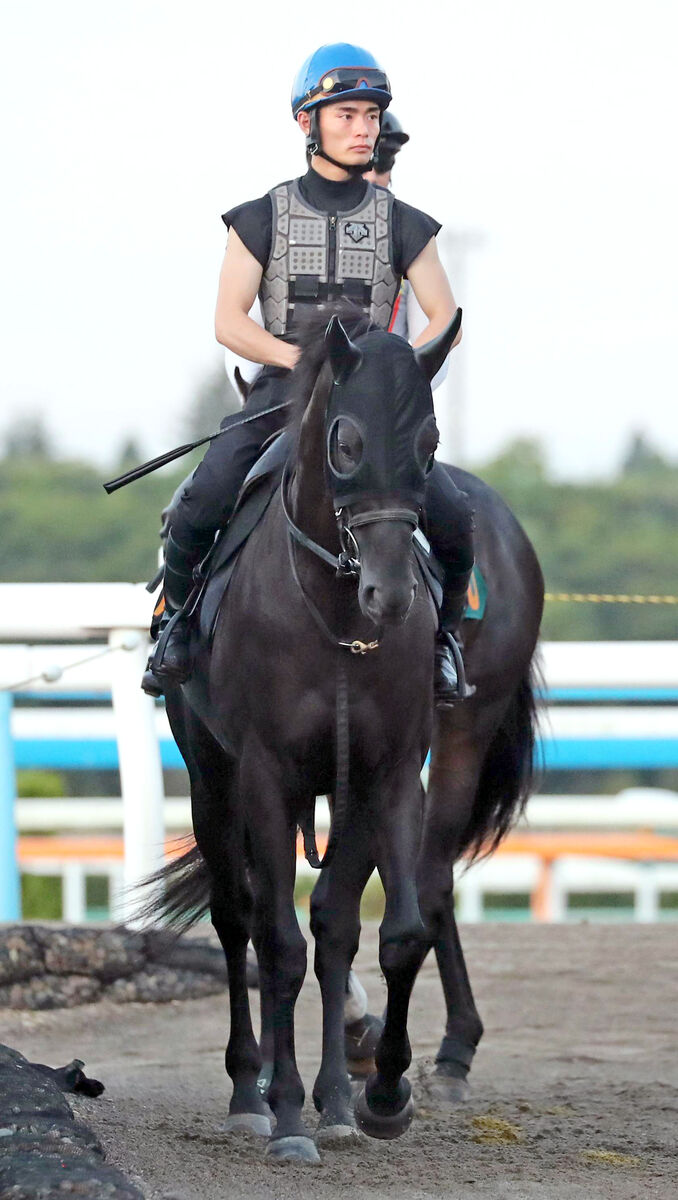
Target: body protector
(317, 259)
(391, 445)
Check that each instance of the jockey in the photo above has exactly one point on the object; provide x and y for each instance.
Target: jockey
(339, 98)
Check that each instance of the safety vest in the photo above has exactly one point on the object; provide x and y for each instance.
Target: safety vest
(317, 258)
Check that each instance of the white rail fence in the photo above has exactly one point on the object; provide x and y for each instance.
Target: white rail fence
(90, 640)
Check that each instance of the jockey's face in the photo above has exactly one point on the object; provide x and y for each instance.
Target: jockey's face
(348, 129)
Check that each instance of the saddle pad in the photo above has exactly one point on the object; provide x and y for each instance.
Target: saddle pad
(476, 596)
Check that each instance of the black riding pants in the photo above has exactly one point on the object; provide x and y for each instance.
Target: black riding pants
(209, 497)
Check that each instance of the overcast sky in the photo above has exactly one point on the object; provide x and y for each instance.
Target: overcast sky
(545, 133)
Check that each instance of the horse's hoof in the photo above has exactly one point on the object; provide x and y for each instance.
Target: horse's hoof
(448, 1088)
(338, 1135)
(360, 1068)
(360, 1041)
(386, 1127)
(293, 1149)
(255, 1123)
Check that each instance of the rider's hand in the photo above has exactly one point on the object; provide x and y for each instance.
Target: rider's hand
(289, 355)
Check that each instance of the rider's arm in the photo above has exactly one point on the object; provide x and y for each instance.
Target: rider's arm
(238, 286)
(432, 289)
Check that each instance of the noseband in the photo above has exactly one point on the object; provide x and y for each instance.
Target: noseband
(347, 562)
(347, 523)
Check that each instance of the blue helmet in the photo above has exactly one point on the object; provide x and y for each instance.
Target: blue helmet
(339, 71)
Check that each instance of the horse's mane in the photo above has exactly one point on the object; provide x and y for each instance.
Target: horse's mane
(314, 353)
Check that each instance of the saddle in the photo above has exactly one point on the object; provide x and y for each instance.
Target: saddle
(259, 487)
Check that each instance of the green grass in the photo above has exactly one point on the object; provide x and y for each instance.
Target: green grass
(41, 897)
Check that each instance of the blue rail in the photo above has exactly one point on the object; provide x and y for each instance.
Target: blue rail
(9, 874)
(564, 754)
(557, 695)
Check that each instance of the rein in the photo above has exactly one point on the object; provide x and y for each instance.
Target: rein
(345, 565)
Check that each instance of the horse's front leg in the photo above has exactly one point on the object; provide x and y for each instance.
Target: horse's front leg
(335, 924)
(280, 943)
(385, 1109)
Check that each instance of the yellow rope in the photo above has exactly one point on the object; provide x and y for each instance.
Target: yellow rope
(607, 598)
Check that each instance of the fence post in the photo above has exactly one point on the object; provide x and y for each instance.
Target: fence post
(140, 767)
(10, 904)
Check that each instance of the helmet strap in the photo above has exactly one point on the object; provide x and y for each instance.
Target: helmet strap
(314, 147)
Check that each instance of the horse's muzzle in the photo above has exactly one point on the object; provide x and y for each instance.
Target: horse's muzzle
(387, 604)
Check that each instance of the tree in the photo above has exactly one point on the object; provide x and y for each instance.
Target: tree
(214, 399)
(522, 463)
(130, 454)
(641, 458)
(27, 437)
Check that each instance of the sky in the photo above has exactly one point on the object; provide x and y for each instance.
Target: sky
(542, 137)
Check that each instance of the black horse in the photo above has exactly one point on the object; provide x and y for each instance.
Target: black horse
(258, 728)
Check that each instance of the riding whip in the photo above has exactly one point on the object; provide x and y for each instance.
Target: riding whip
(169, 456)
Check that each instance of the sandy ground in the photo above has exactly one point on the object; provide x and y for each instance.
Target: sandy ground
(575, 1086)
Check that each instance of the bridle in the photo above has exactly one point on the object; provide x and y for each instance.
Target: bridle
(347, 562)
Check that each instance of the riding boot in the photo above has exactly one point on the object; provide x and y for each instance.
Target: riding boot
(449, 678)
(171, 659)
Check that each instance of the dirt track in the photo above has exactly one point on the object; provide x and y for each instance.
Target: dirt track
(575, 1087)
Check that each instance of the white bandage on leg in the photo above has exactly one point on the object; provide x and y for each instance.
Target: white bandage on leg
(355, 1004)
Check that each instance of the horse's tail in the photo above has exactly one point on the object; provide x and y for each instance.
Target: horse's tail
(180, 891)
(508, 774)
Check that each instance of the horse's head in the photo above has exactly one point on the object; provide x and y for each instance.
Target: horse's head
(380, 438)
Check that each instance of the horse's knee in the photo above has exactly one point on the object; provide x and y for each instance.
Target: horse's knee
(334, 930)
(401, 950)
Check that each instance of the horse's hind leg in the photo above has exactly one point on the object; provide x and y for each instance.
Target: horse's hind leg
(464, 1027)
(457, 760)
(231, 905)
(217, 822)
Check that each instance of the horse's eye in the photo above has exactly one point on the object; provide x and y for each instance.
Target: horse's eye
(344, 446)
(425, 444)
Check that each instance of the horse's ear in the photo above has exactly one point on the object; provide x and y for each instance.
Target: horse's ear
(345, 357)
(432, 355)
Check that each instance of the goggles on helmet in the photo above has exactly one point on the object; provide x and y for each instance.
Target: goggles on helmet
(347, 79)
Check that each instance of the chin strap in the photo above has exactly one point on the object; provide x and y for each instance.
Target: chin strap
(315, 149)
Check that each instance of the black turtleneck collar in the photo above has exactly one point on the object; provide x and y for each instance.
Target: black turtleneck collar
(332, 195)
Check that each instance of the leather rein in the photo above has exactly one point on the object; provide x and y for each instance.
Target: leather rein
(346, 564)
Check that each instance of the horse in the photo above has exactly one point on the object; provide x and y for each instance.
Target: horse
(259, 744)
(296, 692)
